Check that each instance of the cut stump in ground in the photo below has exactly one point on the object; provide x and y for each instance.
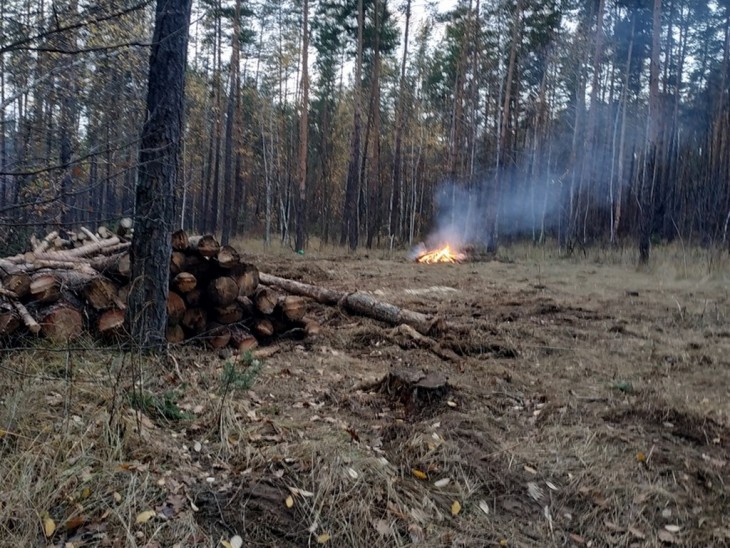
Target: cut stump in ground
(414, 387)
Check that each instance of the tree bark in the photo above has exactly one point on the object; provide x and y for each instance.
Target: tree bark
(158, 161)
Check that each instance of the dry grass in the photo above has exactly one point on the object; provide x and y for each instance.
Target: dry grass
(589, 404)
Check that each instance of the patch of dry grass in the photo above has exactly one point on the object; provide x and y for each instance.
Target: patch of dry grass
(71, 450)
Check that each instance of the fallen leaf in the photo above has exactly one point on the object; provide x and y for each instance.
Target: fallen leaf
(443, 482)
(226, 544)
(418, 474)
(144, 517)
(323, 538)
(451, 403)
(49, 526)
(236, 541)
(672, 528)
(455, 508)
(289, 501)
(666, 537)
(484, 507)
(352, 472)
(530, 470)
(74, 523)
(667, 513)
(117, 497)
(577, 539)
(85, 493)
(640, 457)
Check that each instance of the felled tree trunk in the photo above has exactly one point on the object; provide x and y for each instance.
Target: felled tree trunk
(359, 303)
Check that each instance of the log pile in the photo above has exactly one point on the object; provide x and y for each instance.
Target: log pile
(73, 283)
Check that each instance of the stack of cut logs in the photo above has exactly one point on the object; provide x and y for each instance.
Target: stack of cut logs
(79, 282)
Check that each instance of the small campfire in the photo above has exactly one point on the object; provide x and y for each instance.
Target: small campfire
(443, 255)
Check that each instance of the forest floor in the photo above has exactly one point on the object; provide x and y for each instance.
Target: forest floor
(589, 405)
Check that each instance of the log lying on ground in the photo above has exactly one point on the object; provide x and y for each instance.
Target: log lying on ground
(360, 303)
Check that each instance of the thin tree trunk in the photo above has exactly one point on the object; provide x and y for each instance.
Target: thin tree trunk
(228, 181)
(350, 228)
(374, 189)
(303, 134)
(649, 170)
(504, 131)
(396, 189)
(589, 158)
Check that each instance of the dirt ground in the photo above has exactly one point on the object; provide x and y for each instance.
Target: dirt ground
(588, 404)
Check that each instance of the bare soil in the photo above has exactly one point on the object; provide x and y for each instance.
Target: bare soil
(587, 404)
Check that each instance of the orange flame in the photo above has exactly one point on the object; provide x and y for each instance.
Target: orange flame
(443, 255)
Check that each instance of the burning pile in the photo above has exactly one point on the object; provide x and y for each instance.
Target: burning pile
(442, 255)
(66, 286)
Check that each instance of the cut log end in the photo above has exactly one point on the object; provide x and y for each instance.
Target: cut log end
(205, 245)
(227, 257)
(175, 308)
(45, 288)
(18, 283)
(184, 282)
(222, 291)
(218, 336)
(62, 323)
(265, 300)
(111, 325)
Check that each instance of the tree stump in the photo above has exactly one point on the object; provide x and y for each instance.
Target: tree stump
(414, 387)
